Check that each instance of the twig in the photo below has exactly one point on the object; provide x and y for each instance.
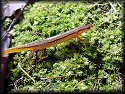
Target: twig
(17, 81)
(79, 83)
(27, 74)
(112, 6)
(119, 4)
(120, 80)
(122, 74)
(10, 85)
(95, 85)
(17, 16)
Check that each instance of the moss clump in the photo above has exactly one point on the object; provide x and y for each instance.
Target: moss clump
(89, 65)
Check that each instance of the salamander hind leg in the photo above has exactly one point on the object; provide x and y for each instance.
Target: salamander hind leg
(41, 59)
(36, 60)
(31, 54)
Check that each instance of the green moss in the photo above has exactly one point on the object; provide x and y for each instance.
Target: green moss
(95, 59)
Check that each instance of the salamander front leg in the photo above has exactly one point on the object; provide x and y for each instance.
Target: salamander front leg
(36, 55)
(31, 54)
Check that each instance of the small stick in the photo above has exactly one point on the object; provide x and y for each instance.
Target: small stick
(77, 85)
(94, 87)
(80, 82)
(120, 5)
(122, 74)
(112, 6)
(17, 81)
(27, 74)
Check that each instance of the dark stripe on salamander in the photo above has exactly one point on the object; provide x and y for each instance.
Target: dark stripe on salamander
(54, 40)
(51, 41)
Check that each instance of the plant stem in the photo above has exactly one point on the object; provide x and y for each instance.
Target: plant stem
(112, 6)
(27, 74)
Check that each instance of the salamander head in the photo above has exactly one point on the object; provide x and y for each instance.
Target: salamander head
(84, 28)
